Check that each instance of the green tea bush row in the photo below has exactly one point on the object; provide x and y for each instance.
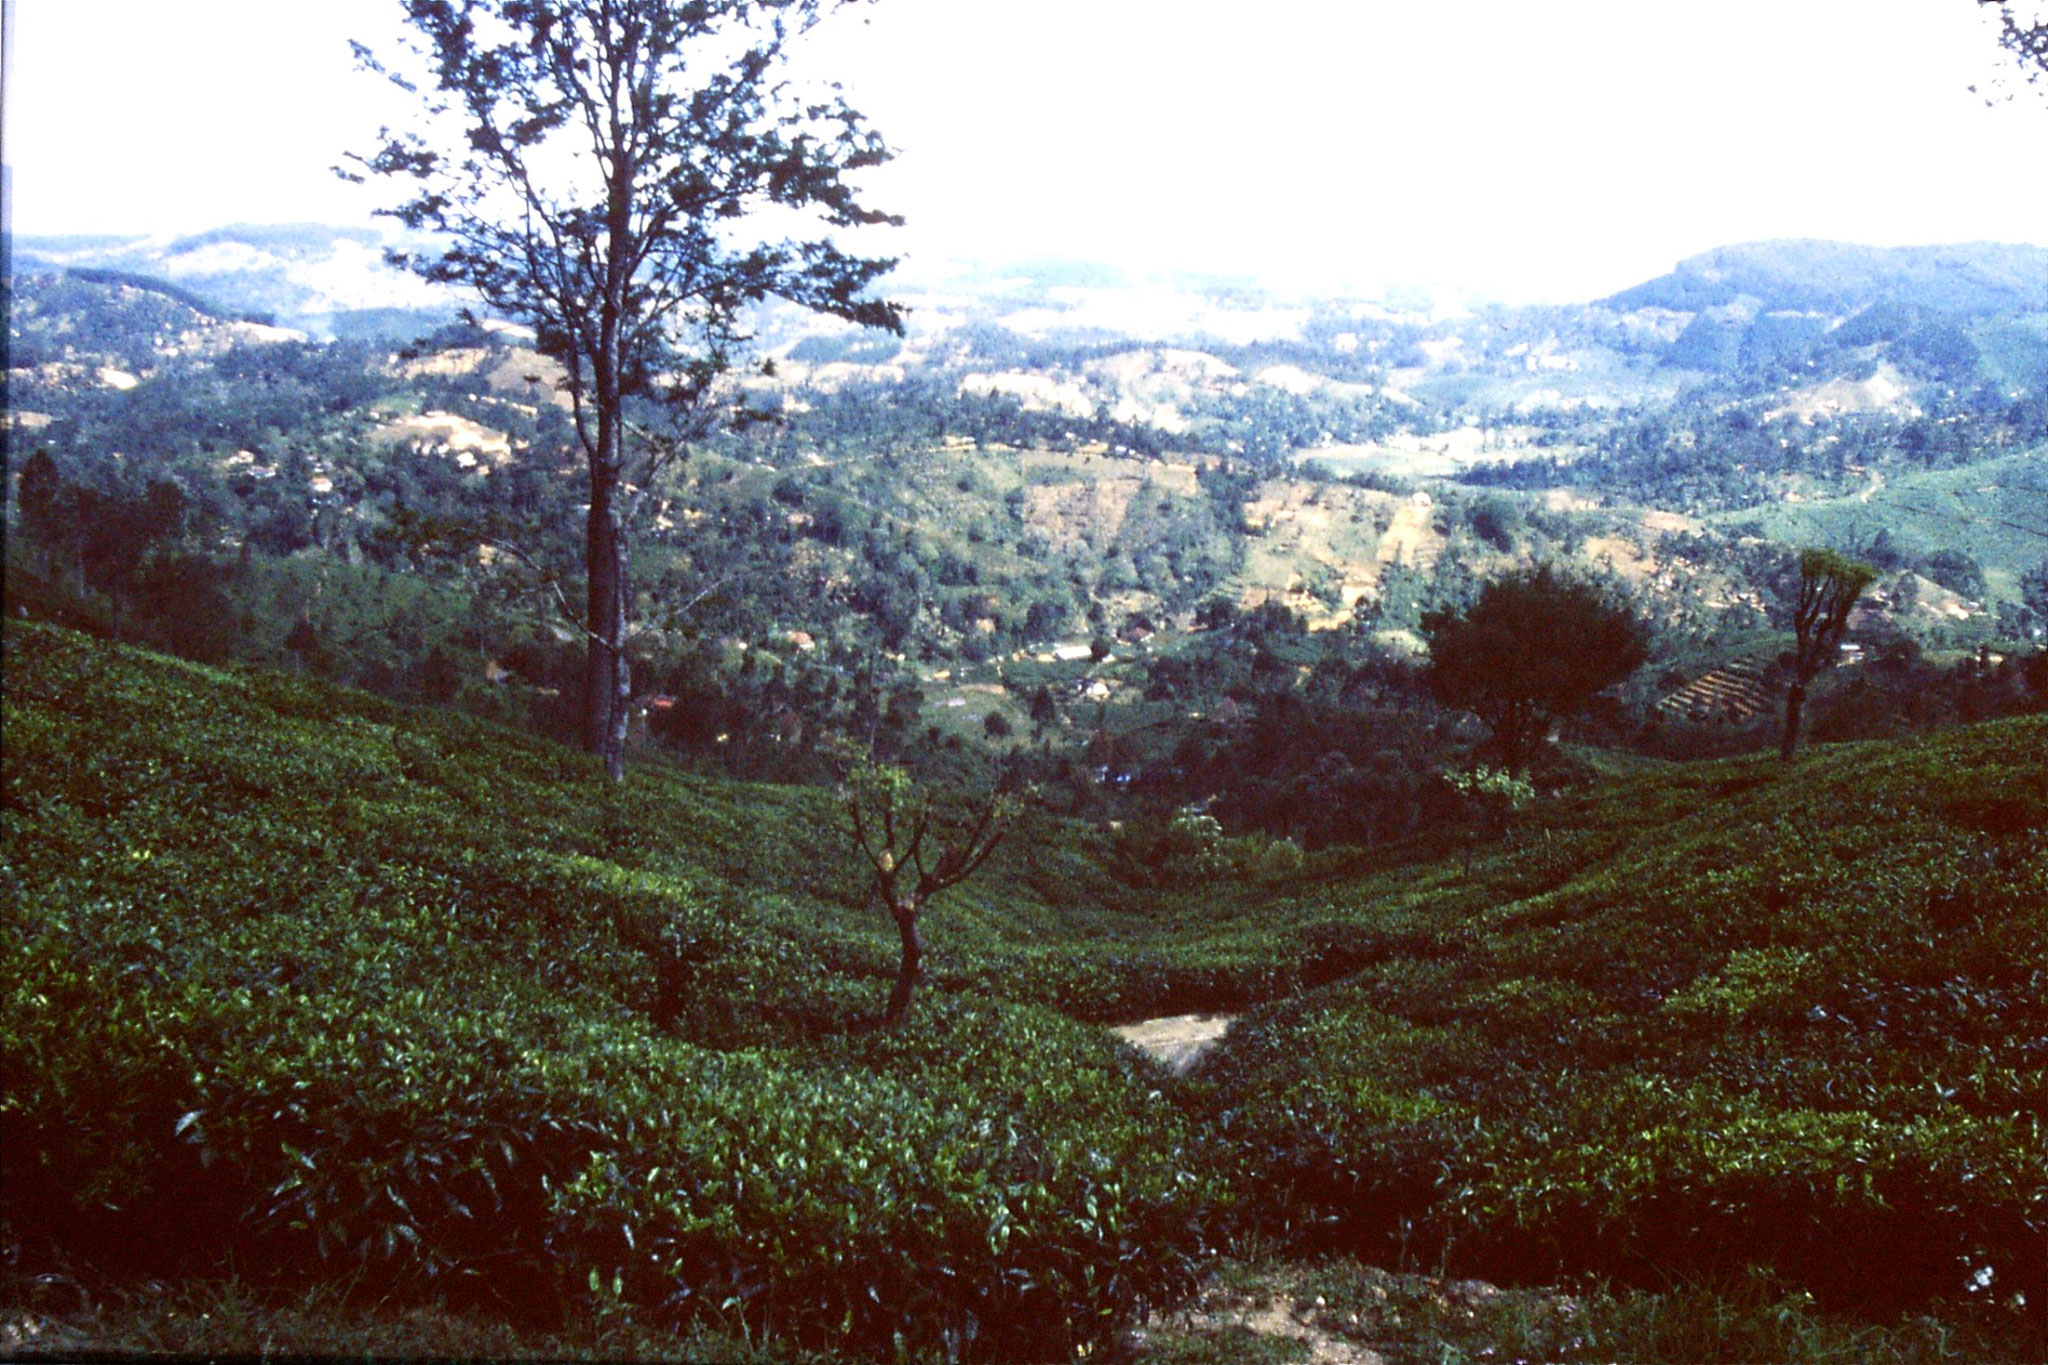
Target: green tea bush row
(362, 995)
(1804, 1027)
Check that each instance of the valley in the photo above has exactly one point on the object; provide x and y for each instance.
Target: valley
(1253, 504)
(1269, 1031)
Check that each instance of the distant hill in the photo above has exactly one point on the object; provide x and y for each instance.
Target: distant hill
(323, 280)
(1963, 312)
(1804, 275)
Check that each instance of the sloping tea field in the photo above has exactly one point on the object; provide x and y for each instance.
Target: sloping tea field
(297, 979)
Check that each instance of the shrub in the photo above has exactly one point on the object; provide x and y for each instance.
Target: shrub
(1802, 1027)
(364, 997)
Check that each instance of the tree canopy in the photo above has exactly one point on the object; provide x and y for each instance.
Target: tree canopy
(1534, 648)
(2024, 36)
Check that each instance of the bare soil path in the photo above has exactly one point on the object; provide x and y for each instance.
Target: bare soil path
(1176, 1041)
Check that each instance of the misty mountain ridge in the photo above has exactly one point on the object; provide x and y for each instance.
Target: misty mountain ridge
(1392, 385)
(323, 280)
(333, 281)
(1808, 275)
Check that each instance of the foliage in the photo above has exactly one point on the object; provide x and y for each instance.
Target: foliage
(1535, 647)
(1492, 787)
(891, 821)
(1491, 796)
(55, 1316)
(387, 995)
(333, 986)
(2024, 37)
(1829, 584)
(1192, 850)
(1791, 1021)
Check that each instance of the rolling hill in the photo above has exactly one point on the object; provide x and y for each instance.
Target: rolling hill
(332, 986)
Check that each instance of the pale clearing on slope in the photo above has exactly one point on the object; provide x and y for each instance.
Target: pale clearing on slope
(1176, 1041)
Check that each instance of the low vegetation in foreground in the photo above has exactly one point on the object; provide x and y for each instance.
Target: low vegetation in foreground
(304, 989)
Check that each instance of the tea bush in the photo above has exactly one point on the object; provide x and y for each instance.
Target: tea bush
(293, 977)
(323, 985)
(1804, 1026)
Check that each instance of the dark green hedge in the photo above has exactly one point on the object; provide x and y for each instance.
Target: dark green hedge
(299, 981)
(1807, 1027)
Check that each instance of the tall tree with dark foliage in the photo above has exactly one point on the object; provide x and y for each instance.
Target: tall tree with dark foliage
(1532, 650)
(607, 170)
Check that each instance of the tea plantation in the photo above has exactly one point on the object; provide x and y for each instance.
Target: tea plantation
(303, 983)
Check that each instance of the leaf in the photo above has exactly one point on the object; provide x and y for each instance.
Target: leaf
(185, 1121)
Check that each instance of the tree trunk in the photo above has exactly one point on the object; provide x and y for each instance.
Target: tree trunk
(1795, 701)
(607, 686)
(607, 683)
(911, 969)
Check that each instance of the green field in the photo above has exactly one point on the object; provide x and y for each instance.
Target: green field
(1995, 510)
(312, 990)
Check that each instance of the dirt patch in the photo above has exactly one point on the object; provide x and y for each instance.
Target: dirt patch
(1176, 1041)
(1219, 1315)
(515, 371)
(1885, 391)
(1668, 521)
(1412, 539)
(450, 434)
(1343, 1313)
(1623, 556)
(1079, 513)
(457, 360)
(524, 373)
(1035, 392)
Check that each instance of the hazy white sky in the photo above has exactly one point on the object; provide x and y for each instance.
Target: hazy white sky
(1523, 148)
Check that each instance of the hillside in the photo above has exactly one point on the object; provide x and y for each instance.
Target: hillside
(1803, 276)
(333, 986)
(1177, 559)
(326, 281)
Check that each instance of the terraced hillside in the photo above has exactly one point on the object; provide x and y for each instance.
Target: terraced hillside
(1734, 692)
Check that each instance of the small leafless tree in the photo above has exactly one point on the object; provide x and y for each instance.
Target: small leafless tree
(894, 823)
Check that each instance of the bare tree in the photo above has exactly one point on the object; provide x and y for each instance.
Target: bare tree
(893, 823)
(601, 168)
(1829, 584)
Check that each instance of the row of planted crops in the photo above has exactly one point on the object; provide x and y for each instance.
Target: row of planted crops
(346, 990)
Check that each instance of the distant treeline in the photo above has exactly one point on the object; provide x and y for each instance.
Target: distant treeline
(97, 275)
